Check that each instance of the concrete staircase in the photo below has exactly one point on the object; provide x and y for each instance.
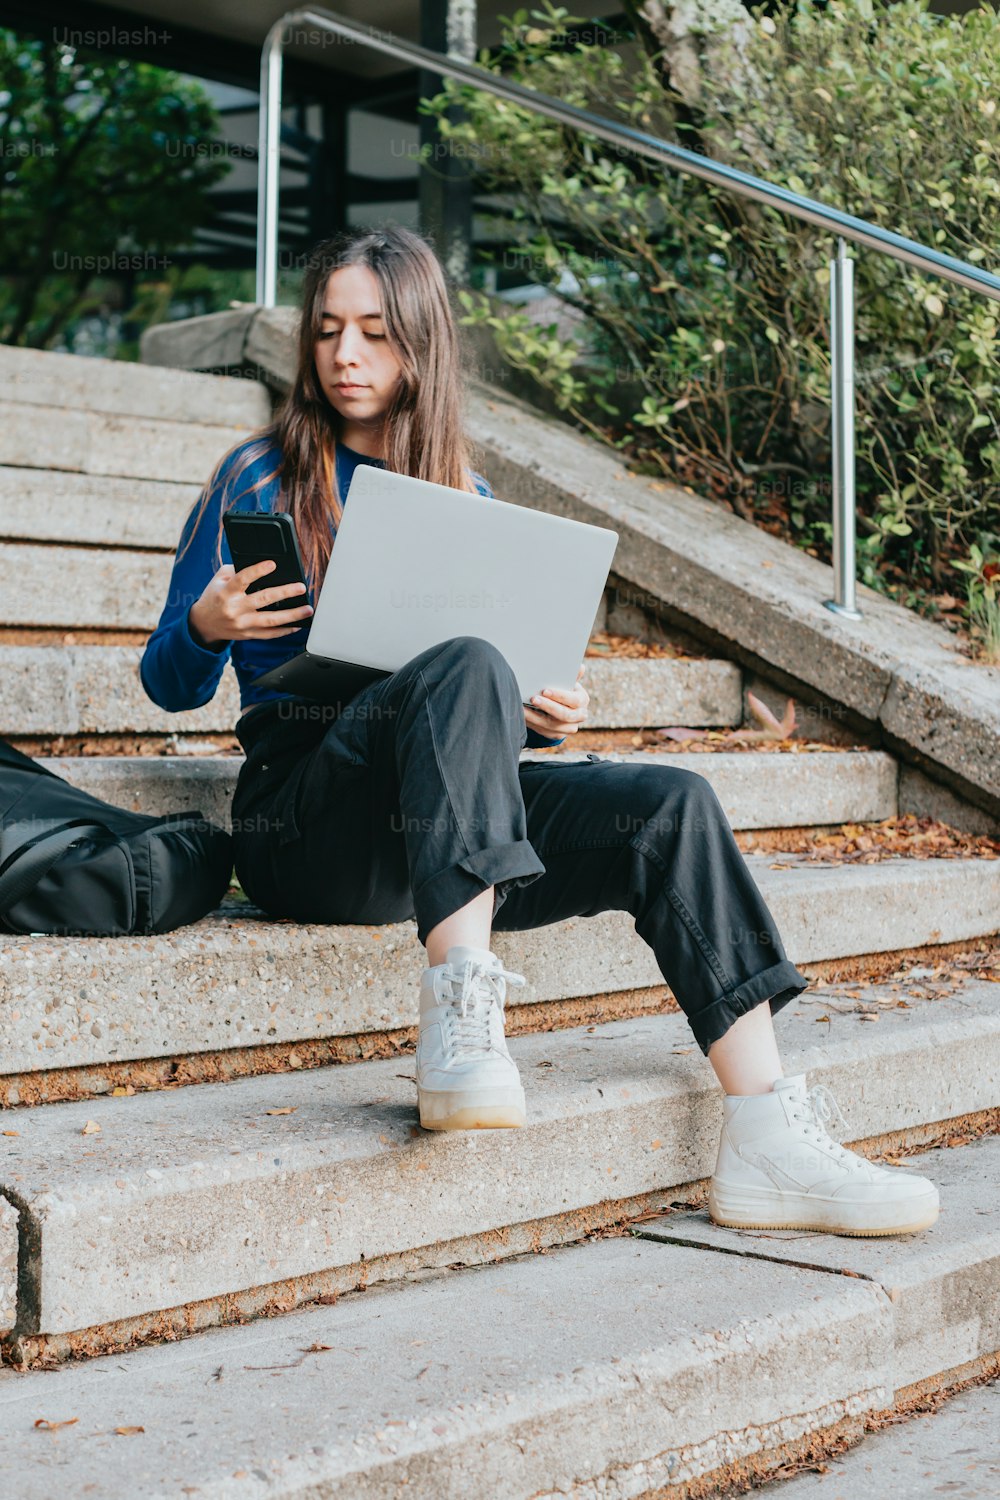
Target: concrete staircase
(217, 1126)
(650, 1363)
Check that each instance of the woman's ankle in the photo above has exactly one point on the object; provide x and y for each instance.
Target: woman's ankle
(469, 927)
(745, 1058)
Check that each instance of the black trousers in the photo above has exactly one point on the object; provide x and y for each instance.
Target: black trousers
(411, 801)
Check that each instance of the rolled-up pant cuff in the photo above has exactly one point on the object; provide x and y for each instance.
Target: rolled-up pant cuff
(780, 984)
(502, 866)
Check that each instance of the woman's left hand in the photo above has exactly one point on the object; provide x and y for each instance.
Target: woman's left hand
(556, 712)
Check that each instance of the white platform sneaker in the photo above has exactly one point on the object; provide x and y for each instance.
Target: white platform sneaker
(466, 1078)
(779, 1168)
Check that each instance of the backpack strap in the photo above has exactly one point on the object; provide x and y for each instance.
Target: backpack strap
(29, 865)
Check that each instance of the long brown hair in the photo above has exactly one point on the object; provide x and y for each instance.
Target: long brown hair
(424, 430)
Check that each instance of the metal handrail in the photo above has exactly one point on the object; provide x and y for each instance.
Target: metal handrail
(810, 210)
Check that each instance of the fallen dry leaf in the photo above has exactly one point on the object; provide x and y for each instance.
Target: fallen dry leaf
(677, 733)
(288, 1110)
(901, 837)
(690, 741)
(805, 1466)
(91, 1128)
(773, 729)
(605, 643)
(54, 1426)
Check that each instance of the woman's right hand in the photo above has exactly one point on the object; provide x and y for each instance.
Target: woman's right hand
(226, 612)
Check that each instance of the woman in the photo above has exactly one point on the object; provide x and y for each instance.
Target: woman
(413, 802)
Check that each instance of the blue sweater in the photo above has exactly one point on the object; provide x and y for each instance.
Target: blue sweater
(178, 672)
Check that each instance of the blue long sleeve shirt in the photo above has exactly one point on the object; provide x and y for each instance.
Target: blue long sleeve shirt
(176, 670)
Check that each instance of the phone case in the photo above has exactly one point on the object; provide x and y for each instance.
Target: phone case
(254, 536)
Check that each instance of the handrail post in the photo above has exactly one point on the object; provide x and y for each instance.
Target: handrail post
(844, 601)
(269, 148)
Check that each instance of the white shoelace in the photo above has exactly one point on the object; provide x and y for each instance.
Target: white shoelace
(817, 1111)
(475, 989)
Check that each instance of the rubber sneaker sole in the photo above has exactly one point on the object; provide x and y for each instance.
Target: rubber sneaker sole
(472, 1109)
(740, 1209)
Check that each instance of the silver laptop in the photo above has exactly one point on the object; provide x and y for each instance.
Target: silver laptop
(416, 563)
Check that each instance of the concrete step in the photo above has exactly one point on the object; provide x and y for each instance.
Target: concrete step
(234, 980)
(96, 689)
(579, 1372)
(777, 790)
(942, 1283)
(84, 588)
(81, 587)
(8, 1264)
(68, 690)
(190, 1205)
(608, 1368)
(117, 387)
(948, 1449)
(96, 442)
(43, 506)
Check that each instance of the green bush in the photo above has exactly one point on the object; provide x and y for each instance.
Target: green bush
(104, 174)
(701, 346)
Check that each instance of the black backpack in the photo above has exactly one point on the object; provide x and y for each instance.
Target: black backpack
(74, 865)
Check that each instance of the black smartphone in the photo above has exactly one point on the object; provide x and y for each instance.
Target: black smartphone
(255, 536)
